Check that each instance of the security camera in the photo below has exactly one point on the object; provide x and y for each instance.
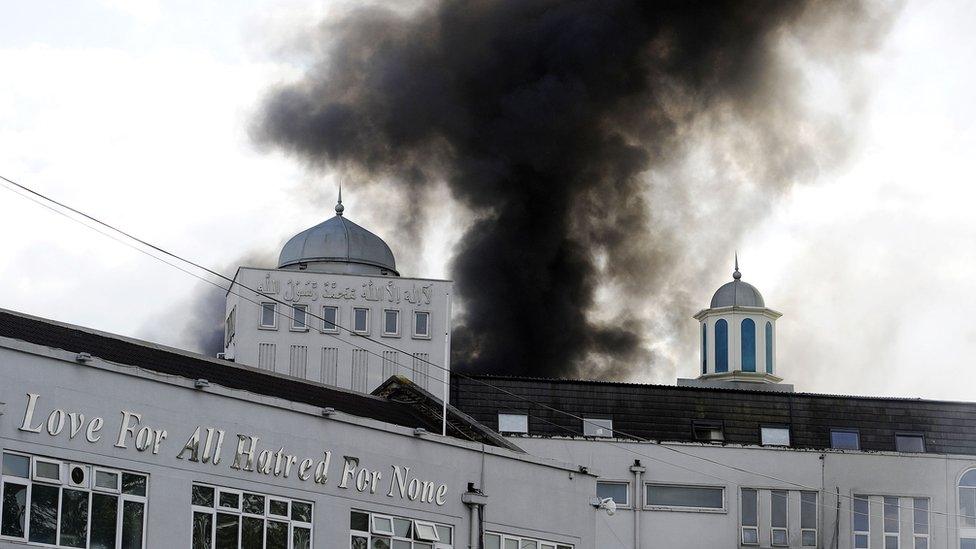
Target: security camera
(607, 504)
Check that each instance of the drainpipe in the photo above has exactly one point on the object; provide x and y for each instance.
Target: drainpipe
(638, 470)
(475, 499)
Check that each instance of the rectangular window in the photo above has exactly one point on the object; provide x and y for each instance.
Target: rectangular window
(890, 522)
(708, 431)
(685, 497)
(71, 510)
(750, 517)
(374, 531)
(330, 319)
(779, 520)
(920, 522)
(230, 326)
(299, 319)
(909, 442)
(861, 521)
(513, 423)
(235, 519)
(421, 324)
(775, 436)
(495, 540)
(597, 427)
(360, 320)
(808, 519)
(269, 315)
(618, 491)
(845, 439)
(391, 322)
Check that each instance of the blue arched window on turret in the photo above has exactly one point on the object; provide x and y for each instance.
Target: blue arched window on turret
(704, 347)
(721, 346)
(748, 345)
(769, 347)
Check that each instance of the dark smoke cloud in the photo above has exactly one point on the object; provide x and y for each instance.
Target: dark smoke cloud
(574, 133)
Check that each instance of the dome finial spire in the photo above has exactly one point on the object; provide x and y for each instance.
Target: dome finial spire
(339, 207)
(736, 274)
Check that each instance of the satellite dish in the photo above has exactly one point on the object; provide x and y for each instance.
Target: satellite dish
(607, 504)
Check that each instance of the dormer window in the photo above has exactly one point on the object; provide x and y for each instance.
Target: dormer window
(708, 431)
(773, 435)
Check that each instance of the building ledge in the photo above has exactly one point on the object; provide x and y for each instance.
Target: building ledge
(754, 381)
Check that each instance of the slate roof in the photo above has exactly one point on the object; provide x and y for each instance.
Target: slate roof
(165, 360)
(667, 413)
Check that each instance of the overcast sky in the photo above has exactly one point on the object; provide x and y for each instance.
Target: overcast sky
(138, 112)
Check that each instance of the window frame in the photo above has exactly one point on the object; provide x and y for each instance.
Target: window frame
(230, 326)
(854, 430)
(65, 465)
(855, 533)
(513, 414)
(627, 504)
(889, 534)
(398, 323)
(353, 319)
(590, 423)
(916, 535)
(789, 435)
(752, 527)
(241, 514)
(816, 518)
(910, 434)
(274, 316)
(774, 529)
(413, 538)
(327, 329)
(293, 327)
(648, 506)
(697, 424)
(413, 325)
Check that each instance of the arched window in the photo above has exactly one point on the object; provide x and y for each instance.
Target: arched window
(721, 346)
(748, 345)
(769, 347)
(967, 509)
(704, 348)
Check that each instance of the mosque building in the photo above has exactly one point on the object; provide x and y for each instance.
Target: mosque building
(325, 424)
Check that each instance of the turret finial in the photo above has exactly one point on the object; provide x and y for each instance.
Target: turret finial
(339, 207)
(736, 274)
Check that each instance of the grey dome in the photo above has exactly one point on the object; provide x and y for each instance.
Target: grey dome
(737, 294)
(338, 245)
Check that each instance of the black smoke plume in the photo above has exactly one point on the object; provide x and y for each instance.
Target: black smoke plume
(576, 134)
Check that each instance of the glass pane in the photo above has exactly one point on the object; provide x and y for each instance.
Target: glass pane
(861, 541)
(14, 510)
(252, 531)
(298, 318)
(134, 485)
(921, 515)
(492, 541)
(329, 318)
(17, 466)
(776, 436)
(778, 502)
(421, 323)
(909, 443)
(229, 500)
(921, 543)
(301, 511)
(750, 507)
(891, 542)
(444, 533)
(511, 543)
(402, 527)
(597, 427)
(107, 480)
(808, 510)
(750, 535)
(615, 490)
(132, 520)
(359, 521)
(400, 544)
(268, 314)
(529, 544)
(202, 528)
(685, 496)
(301, 538)
(227, 531)
(809, 539)
(74, 518)
(203, 496)
(359, 543)
(722, 346)
(44, 513)
(277, 537)
(779, 537)
(967, 506)
(48, 470)
(254, 503)
(425, 531)
(382, 525)
(969, 479)
(845, 440)
(513, 423)
(965, 543)
(392, 318)
(278, 507)
(891, 515)
(359, 323)
(748, 347)
(861, 507)
(103, 521)
(381, 543)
